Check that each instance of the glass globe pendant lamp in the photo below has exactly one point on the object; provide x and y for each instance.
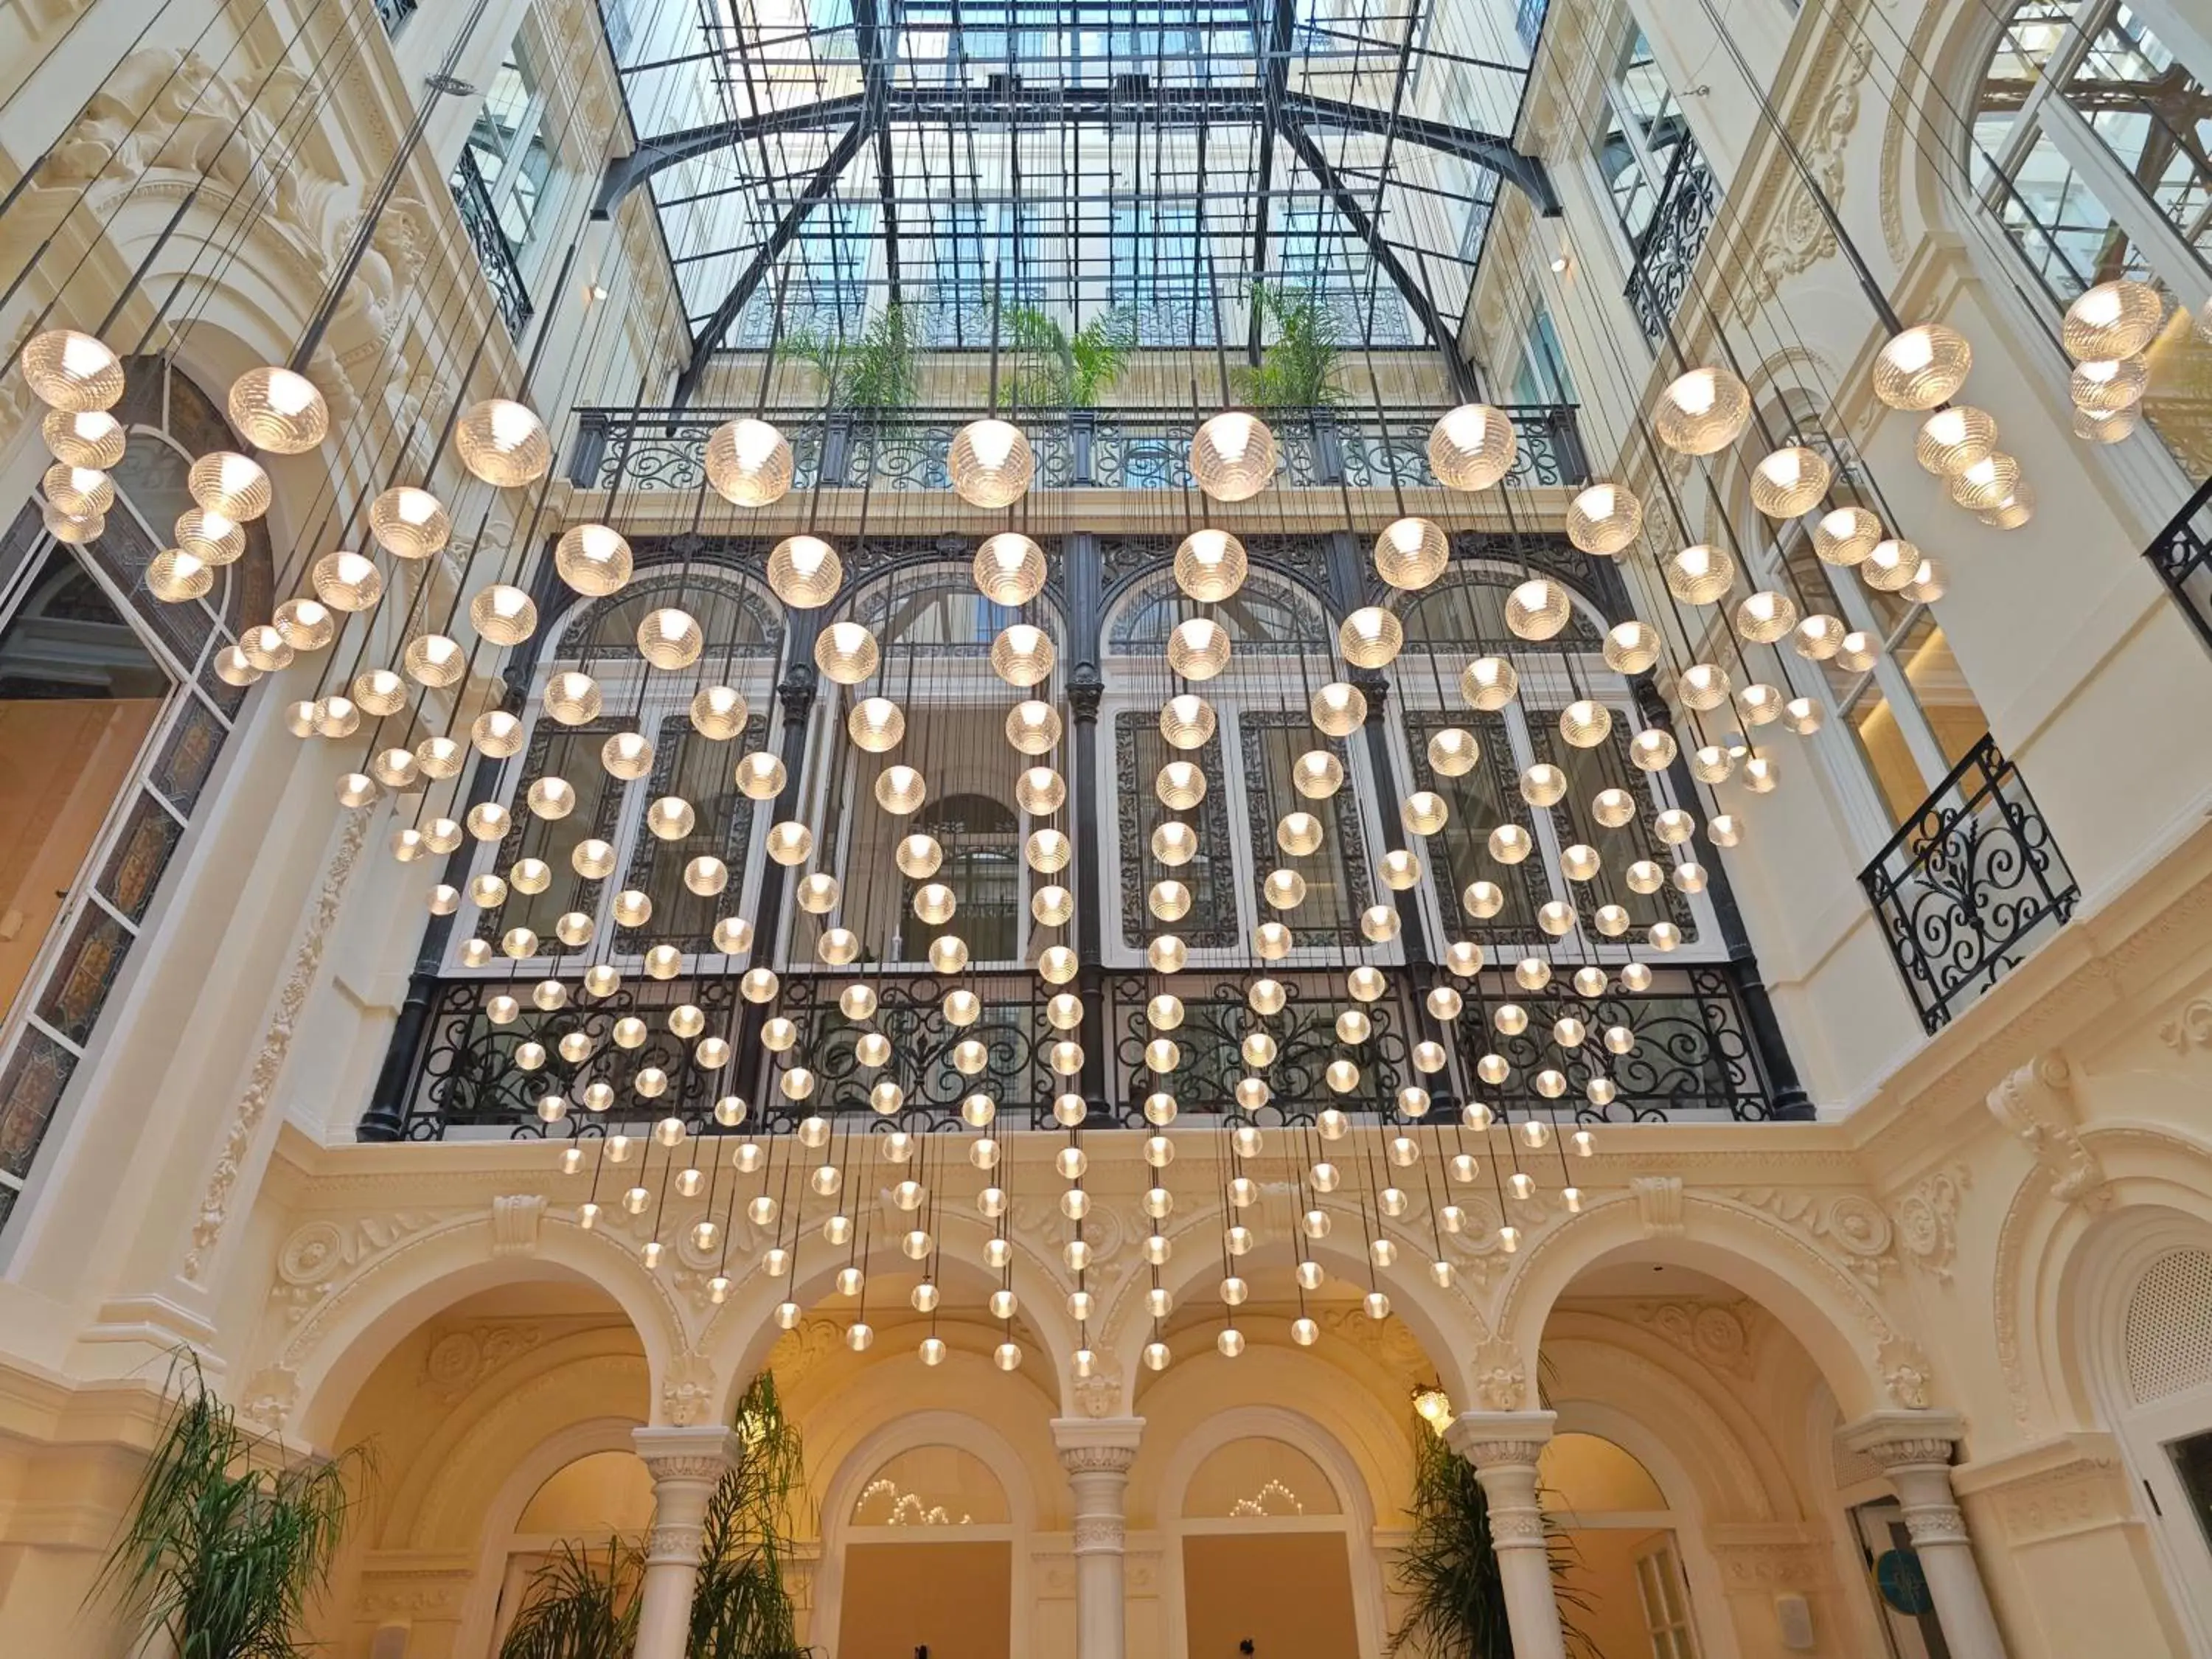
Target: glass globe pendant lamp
(174, 576)
(72, 371)
(279, 410)
(1033, 728)
(990, 463)
(503, 614)
(2108, 384)
(1209, 566)
(1197, 649)
(1370, 637)
(1922, 367)
(1187, 722)
(1023, 655)
(846, 652)
(718, 712)
(83, 492)
(210, 536)
(1604, 518)
(804, 572)
(1232, 456)
(410, 523)
(1411, 553)
(1010, 568)
(749, 463)
(2112, 319)
(1538, 609)
(89, 437)
(1952, 439)
(669, 639)
(344, 581)
(1471, 447)
(875, 725)
(1338, 709)
(1702, 412)
(1789, 482)
(1987, 484)
(232, 484)
(594, 560)
(1845, 536)
(504, 443)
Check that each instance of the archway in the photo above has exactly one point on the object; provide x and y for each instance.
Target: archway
(1266, 1551)
(1624, 1561)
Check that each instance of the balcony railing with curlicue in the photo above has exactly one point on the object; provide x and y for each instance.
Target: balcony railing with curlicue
(1693, 1057)
(494, 251)
(1970, 885)
(664, 449)
(2182, 554)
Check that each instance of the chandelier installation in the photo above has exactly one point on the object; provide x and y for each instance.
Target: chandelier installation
(1446, 1075)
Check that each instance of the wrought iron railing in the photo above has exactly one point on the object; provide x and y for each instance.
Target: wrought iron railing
(494, 251)
(394, 13)
(664, 449)
(2182, 554)
(1969, 886)
(1694, 1056)
(1667, 251)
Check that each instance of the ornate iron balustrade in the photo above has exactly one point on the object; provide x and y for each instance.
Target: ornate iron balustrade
(664, 449)
(1971, 884)
(394, 13)
(494, 251)
(2182, 554)
(1694, 1056)
(1666, 252)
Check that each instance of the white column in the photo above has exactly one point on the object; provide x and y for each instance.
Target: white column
(1914, 1449)
(1096, 1452)
(1503, 1447)
(686, 1466)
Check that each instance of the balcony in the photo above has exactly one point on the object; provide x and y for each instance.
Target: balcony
(1969, 886)
(1666, 252)
(494, 251)
(664, 449)
(2182, 554)
(1695, 1059)
(394, 13)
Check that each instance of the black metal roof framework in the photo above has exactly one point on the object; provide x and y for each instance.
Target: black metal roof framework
(1070, 155)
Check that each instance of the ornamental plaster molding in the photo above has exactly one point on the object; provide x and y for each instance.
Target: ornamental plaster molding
(1721, 1336)
(1659, 1205)
(1927, 1220)
(800, 1352)
(1387, 1341)
(689, 1391)
(516, 1219)
(1501, 1376)
(1849, 1229)
(1905, 102)
(2085, 1494)
(1905, 1373)
(2036, 1103)
(1100, 1394)
(460, 1359)
(1774, 1563)
(2192, 1028)
(252, 1105)
(1793, 234)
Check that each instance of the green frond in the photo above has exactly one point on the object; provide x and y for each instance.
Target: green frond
(1298, 368)
(580, 1606)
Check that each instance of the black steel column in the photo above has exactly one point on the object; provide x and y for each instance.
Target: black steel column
(1083, 571)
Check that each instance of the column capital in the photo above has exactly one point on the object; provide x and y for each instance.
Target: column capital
(1500, 1439)
(678, 1455)
(1103, 1443)
(1905, 1440)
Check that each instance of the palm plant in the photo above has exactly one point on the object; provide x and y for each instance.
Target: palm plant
(1448, 1572)
(1053, 371)
(580, 1605)
(878, 369)
(1298, 369)
(226, 1543)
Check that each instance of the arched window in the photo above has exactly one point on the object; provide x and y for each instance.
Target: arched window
(111, 721)
(928, 1558)
(2089, 148)
(1267, 1553)
(1282, 650)
(601, 638)
(1462, 617)
(1624, 1560)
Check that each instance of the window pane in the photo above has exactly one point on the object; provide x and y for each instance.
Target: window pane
(1896, 774)
(1480, 800)
(1211, 923)
(79, 694)
(1337, 886)
(982, 842)
(699, 770)
(1944, 696)
(573, 753)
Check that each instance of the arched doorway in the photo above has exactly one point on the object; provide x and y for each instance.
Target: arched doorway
(1267, 1561)
(1630, 1597)
(589, 1503)
(928, 1561)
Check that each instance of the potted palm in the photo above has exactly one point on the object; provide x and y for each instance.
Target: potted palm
(1053, 370)
(583, 1603)
(1298, 368)
(227, 1541)
(875, 371)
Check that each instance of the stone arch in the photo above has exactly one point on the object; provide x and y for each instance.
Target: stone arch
(316, 1370)
(1450, 1330)
(961, 1429)
(736, 1340)
(1831, 1313)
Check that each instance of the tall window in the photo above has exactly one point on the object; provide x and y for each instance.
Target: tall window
(1542, 376)
(1161, 268)
(1664, 194)
(600, 639)
(508, 147)
(111, 721)
(2089, 146)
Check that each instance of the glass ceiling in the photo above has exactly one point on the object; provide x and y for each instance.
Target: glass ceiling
(823, 157)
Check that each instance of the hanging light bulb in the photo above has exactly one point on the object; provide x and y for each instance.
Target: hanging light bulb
(1187, 722)
(1471, 447)
(2104, 426)
(1922, 367)
(1538, 609)
(1845, 536)
(846, 652)
(1453, 751)
(718, 712)
(669, 639)
(175, 576)
(1023, 655)
(1338, 709)
(2112, 319)
(410, 523)
(1789, 482)
(503, 443)
(804, 572)
(1604, 518)
(1370, 637)
(1987, 484)
(278, 410)
(1198, 648)
(90, 437)
(1952, 439)
(592, 559)
(749, 463)
(1630, 648)
(72, 371)
(231, 484)
(1702, 412)
(209, 535)
(1232, 456)
(1010, 568)
(876, 726)
(503, 614)
(1033, 728)
(1209, 566)
(990, 463)
(1411, 553)
(2104, 385)
(1764, 616)
(344, 581)
(1489, 683)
